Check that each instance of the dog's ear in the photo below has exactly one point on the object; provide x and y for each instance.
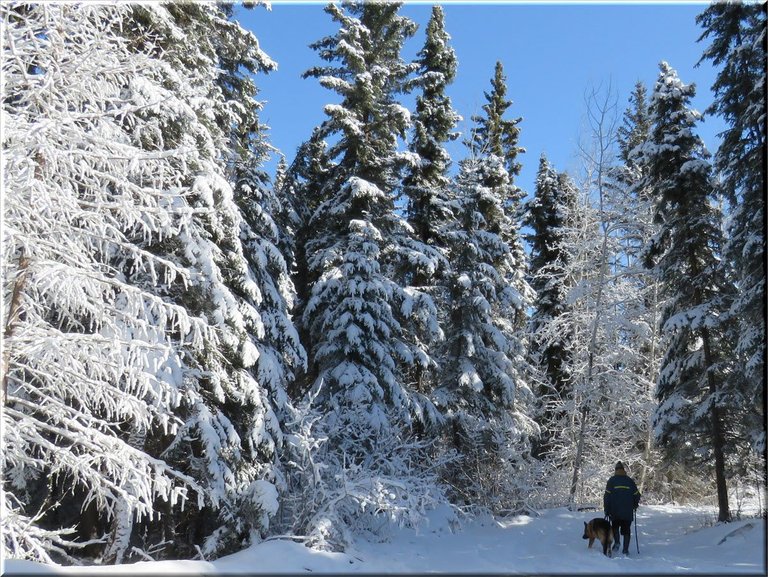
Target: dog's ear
(585, 525)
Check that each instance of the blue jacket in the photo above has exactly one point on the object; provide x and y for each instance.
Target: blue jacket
(621, 497)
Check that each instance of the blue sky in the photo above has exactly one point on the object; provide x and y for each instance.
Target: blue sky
(553, 54)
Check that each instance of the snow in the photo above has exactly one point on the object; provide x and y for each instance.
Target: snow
(672, 540)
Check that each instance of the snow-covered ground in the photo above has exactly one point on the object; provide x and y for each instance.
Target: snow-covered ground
(672, 539)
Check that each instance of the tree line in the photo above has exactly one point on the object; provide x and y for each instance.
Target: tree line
(197, 356)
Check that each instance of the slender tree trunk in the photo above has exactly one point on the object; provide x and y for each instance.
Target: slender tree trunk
(579, 456)
(651, 379)
(12, 321)
(718, 435)
(603, 129)
(590, 366)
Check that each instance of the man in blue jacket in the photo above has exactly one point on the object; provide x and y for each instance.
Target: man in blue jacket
(619, 503)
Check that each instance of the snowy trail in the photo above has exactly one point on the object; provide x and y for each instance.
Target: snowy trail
(672, 540)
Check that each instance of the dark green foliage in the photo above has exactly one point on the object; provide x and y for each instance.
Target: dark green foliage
(737, 34)
(493, 133)
(426, 184)
(635, 125)
(694, 391)
(546, 215)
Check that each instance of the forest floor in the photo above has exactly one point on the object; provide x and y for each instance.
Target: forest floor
(672, 540)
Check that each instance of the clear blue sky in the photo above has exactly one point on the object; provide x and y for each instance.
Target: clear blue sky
(553, 53)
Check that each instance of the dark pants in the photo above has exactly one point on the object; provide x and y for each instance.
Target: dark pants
(621, 525)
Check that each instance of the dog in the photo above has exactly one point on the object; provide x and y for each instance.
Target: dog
(599, 529)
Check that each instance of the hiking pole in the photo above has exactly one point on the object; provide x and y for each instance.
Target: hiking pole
(637, 543)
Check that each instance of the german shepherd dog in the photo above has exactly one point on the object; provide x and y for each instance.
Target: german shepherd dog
(599, 529)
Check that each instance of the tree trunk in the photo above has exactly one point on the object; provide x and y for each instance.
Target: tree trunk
(579, 456)
(651, 379)
(12, 321)
(718, 435)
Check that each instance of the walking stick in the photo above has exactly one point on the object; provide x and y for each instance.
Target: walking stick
(637, 543)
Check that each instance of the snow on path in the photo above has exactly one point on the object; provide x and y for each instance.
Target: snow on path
(672, 540)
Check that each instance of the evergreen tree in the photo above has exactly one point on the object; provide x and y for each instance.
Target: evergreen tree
(94, 363)
(737, 34)
(494, 135)
(693, 389)
(483, 391)
(427, 182)
(363, 326)
(554, 197)
(234, 433)
(160, 222)
(635, 125)
(301, 192)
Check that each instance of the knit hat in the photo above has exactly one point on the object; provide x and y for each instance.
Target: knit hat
(619, 466)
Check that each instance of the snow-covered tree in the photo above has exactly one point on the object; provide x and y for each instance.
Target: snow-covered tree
(629, 198)
(144, 157)
(300, 192)
(554, 197)
(737, 34)
(427, 184)
(601, 311)
(483, 392)
(695, 394)
(496, 136)
(434, 122)
(364, 328)
(233, 436)
(93, 363)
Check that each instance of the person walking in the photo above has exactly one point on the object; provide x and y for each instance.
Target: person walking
(620, 500)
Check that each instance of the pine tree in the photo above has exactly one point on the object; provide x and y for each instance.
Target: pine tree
(737, 34)
(694, 395)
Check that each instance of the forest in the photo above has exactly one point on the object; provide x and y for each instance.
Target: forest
(198, 355)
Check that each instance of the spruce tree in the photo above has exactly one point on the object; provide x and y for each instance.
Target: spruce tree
(300, 191)
(363, 326)
(635, 126)
(95, 373)
(483, 390)
(546, 216)
(494, 136)
(695, 397)
(427, 182)
(737, 34)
